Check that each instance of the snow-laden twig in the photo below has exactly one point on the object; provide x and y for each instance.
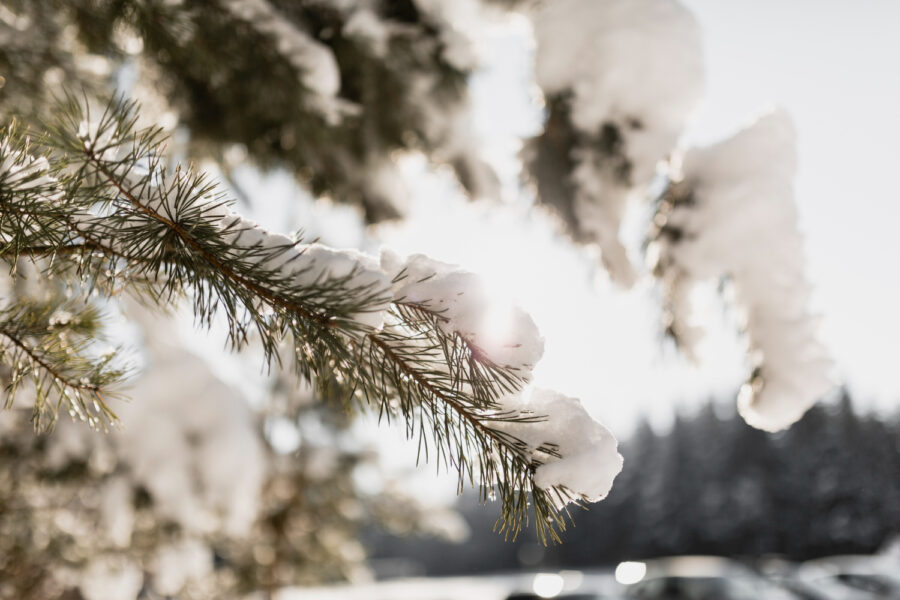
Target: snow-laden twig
(413, 338)
(621, 78)
(731, 214)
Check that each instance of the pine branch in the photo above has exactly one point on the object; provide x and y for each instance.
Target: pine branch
(108, 204)
(48, 344)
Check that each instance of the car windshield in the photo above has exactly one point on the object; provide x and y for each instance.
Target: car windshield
(694, 588)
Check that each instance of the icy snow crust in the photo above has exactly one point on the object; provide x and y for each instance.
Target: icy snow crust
(742, 224)
(632, 65)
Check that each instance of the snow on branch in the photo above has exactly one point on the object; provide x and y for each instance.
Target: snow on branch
(506, 336)
(730, 214)
(413, 338)
(620, 78)
(573, 454)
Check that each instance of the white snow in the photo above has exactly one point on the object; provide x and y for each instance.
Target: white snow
(742, 224)
(311, 265)
(111, 578)
(178, 564)
(459, 23)
(19, 171)
(187, 439)
(505, 334)
(588, 460)
(117, 510)
(365, 25)
(385, 186)
(190, 441)
(635, 65)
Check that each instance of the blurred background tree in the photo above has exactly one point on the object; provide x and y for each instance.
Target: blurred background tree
(711, 484)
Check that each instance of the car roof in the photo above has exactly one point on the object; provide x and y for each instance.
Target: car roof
(848, 564)
(694, 566)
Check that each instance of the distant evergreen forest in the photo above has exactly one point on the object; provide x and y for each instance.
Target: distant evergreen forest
(709, 485)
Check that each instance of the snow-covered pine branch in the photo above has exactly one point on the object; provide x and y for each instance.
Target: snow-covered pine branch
(412, 338)
(729, 213)
(48, 343)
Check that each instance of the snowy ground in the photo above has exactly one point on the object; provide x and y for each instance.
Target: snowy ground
(490, 587)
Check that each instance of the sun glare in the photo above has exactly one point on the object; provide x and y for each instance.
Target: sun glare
(547, 585)
(497, 326)
(630, 572)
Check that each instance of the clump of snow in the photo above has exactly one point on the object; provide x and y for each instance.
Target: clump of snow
(365, 25)
(632, 72)
(309, 265)
(117, 510)
(314, 61)
(20, 171)
(178, 564)
(588, 460)
(201, 460)
(504, 334)
(385, 189)
(623, 60)
(101, 144)
(738, 220)
(458, 22)
(108, 577)
(191, 443)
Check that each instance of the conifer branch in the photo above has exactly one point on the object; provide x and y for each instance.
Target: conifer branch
(48, 344)
(107, 204)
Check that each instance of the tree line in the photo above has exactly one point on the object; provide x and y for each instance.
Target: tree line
(711, 484)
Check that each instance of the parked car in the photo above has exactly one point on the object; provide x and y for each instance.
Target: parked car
(702, 578)
(563, 596)
(849, 578)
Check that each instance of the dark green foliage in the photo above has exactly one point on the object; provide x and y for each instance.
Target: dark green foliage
(548, 158)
